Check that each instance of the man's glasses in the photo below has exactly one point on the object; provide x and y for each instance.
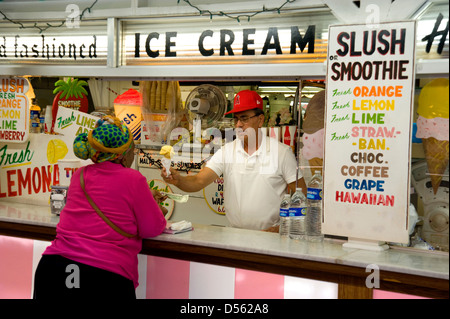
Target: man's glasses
(243, 119)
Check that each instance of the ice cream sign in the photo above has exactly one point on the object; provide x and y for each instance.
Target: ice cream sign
(370, 79)
(14, 110)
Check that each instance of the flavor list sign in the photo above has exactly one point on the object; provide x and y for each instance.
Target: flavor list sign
(14, 110)
(370, 79)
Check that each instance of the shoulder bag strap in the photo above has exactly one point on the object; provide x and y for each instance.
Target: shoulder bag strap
(106, 219)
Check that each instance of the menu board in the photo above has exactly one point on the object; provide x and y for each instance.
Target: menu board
(14, 110)
(369, 101)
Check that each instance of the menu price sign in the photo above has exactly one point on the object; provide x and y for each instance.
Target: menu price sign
(370, 82)
(14, 110)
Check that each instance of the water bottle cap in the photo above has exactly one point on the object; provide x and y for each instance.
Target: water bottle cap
(298, 189)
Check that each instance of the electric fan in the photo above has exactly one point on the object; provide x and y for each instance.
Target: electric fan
(206, 103)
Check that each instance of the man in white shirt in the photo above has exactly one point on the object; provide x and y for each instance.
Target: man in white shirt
(257, 170)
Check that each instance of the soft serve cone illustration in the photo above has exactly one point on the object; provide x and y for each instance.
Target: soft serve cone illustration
(432, 128)
(313, 128)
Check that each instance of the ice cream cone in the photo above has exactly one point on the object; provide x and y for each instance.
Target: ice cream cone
(316, 164)
(313, 130)
(436, 154)
(167, 152)
(432, 127)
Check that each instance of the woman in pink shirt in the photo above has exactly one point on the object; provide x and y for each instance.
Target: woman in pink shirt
(89, 258)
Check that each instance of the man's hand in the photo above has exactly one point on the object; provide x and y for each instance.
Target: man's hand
(173, 178)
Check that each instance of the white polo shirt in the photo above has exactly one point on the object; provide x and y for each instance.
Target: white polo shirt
(254, 184)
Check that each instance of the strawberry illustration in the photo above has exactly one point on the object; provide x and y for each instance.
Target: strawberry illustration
(71, 94)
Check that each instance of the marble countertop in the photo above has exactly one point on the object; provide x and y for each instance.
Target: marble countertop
(401, 260)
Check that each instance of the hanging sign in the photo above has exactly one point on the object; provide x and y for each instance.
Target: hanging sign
(67, 48)
(14, 110)
(188, 42)
(370, 82)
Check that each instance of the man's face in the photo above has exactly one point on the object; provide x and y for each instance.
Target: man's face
(247, 125)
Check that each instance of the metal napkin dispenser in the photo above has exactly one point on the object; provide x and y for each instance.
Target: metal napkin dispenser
(58, 198)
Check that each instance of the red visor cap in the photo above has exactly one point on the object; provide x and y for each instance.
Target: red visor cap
(246, 100)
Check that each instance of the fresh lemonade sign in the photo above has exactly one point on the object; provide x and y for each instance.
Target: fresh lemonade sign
(370, 79)
(27, 170)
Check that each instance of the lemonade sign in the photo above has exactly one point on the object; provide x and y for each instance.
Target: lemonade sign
(14, 110)
(70, 122)
(29, 169)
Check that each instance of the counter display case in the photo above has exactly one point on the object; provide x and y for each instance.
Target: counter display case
(346, 273)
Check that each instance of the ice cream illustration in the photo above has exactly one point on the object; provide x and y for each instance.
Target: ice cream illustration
(432, 127)
(167, 152)
(313, 128)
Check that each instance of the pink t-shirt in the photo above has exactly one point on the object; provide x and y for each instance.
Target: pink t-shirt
(123, 195)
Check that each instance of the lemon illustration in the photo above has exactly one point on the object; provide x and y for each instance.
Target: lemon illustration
(56, 150)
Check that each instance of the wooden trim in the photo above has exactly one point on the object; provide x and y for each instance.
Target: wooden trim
(353, 288)
(27, 231)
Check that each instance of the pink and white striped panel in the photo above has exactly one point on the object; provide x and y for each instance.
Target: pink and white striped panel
(165, 278)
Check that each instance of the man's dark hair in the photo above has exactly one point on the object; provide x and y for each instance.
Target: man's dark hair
(258, 112)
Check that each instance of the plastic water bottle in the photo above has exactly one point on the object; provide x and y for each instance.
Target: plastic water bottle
(284, 215)
(34, 117)
(314, 214)
(297, 212)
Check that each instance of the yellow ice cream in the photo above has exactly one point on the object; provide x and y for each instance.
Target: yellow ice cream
(167, 151)
(433, 99)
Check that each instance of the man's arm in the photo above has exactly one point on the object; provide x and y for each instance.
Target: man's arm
(190, 183)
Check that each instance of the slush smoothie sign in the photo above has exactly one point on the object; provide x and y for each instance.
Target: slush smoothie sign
(370, 79)
(14, 110)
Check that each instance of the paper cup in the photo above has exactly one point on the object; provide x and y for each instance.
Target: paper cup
(66, 169)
